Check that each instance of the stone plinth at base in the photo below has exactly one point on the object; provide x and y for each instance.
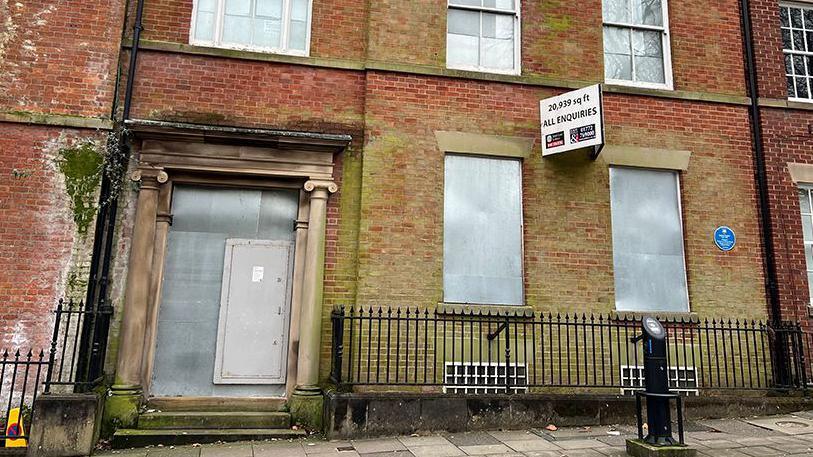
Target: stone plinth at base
(638, 448)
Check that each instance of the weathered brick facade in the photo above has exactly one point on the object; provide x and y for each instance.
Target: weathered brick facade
(788, 138)
(377, 71)
(58, 66)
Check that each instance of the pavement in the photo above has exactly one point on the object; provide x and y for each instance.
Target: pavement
(745, 437)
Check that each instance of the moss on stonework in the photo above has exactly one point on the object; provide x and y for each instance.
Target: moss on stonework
(81, 165)
(194, 117)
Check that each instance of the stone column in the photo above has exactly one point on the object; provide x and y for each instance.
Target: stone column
(306, 402)
(122, 407)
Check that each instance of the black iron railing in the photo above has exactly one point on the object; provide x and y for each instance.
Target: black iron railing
(21, 375)
(489, 353)
(75, 356)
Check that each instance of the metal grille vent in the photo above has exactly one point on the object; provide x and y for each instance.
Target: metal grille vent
(682, 379)
(484, 378)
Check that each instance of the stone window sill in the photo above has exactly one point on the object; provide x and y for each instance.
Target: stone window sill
(467, 309)
(672, 317)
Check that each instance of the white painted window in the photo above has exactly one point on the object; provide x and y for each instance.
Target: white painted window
(278, 26)
(806, 204)
(483, 35)
(797, 43)
(636, 43)
(482, 231)
(649, 267)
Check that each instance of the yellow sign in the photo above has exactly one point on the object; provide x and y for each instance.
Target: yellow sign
(14, 427)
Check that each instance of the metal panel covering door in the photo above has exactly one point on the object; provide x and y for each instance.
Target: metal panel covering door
(251, 336)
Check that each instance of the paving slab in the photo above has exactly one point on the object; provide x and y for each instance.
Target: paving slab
(580, 444)
(387, 454)
(441, 450)
(794, 448)
(559, 453)
(429, 440)
(614, 451)
(721, 453)
(721, 444)
(759, 451)
(514, 435)
(787, 424)
(378, 445)
(532, 445)
(327, 447)
(272, 449)
(227, 450)
(182, 451)
(738, 427)
(471, 438)
(704, 436)
(583, 453)
(486, 449)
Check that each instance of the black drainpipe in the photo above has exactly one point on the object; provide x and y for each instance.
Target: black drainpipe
(782, 373)
(96, 326)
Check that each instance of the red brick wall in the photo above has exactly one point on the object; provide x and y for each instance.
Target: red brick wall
(37, 233)
(182, 87)
(59, 57)
(787, 138)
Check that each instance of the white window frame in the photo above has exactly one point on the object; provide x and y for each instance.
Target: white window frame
(809, 214)
(803, 7)
(666, 45)
(220, 14)
(517, 70)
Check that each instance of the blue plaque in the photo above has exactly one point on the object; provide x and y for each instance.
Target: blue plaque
(724, 238)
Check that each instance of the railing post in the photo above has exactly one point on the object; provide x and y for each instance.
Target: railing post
(507, 355)
(337, 318)
(800, 350)
(98, 349)
(52, 350)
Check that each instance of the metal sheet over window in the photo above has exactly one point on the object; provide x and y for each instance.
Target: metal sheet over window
(650, 271)
(482, 229)
(203, 218)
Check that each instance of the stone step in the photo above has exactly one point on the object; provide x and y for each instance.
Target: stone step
(129, 438)
(213, 420)
(207, 404)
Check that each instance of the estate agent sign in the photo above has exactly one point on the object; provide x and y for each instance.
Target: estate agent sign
(574, 120)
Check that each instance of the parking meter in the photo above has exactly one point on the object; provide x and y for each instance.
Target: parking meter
(656, 381)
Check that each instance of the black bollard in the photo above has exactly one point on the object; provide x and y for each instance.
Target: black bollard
(656, 381)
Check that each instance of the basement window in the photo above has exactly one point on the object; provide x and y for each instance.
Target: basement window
(797, 44)
(484, 378)
(483, 35)
(276, 26)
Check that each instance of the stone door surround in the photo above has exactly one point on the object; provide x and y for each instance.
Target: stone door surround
(171, 153)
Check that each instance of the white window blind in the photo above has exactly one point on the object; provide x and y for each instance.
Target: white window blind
(797, 43)
(281, 26)
(649, 267)
(636, 43)
(483, 35)
(482, 231)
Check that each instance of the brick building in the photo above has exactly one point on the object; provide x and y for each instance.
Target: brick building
(783, 60)
(58, 66)
(319, 153)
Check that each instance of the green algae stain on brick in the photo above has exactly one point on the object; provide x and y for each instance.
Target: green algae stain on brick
(81, 165)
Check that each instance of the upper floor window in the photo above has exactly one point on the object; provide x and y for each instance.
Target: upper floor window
(483, 35)
(636, 43)
(281, 26)
(797, 41)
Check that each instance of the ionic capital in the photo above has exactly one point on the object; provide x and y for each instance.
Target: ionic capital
(328, 186)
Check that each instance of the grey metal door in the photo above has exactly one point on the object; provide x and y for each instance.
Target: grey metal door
(252, 337)
(189, 316)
